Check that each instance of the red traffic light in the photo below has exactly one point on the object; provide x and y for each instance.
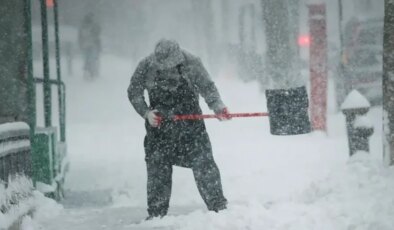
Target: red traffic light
(49, 3)
(304, 40)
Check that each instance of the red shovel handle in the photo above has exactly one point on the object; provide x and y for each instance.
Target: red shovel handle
(205, 116)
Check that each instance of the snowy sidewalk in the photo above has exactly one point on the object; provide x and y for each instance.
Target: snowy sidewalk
(295, 182)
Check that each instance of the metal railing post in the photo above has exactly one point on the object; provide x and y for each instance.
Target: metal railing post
(29, 64)
(58, 73)
(45, 56)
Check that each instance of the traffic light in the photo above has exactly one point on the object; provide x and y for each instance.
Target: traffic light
(49, 3)
(304, 40)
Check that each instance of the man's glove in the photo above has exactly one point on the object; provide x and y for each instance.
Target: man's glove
(223, 114)
(153, 118)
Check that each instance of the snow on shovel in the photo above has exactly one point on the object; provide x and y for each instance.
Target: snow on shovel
(287, 112)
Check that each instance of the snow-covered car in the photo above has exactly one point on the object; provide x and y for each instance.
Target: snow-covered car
(362, 59)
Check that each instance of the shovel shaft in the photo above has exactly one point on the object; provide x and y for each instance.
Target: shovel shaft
(207, 116)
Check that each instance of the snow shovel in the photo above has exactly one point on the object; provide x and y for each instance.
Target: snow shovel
(287, 112)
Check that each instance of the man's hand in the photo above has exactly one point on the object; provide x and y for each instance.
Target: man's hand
(223, 114)
(153, 118)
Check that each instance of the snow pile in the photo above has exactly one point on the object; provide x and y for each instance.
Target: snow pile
(360, 196)
(38, 206)
(363, 122)
(45, 188)
(44, 209)
(19, 199)
(13, 126)
(357, 196)
(27, 223)
(15, 200)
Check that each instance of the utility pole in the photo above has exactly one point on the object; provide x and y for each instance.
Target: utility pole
(46, 72)
(282, 50)
(225, 21)
(318, 65)
(388, 83)
(340, 88)
(204, 26)
(340, 23)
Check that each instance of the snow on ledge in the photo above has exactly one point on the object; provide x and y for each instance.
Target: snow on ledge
(13, 126)
(363, 122)
(46, 188)
(355, 100)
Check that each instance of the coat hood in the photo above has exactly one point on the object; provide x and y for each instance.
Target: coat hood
(167, 54)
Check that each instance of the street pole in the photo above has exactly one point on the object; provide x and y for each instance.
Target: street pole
(282, 55)
(45, 60)
(30, 79)
(388, 83)
(318, 65)
(61, 102)
(241, 26)
(340, 23)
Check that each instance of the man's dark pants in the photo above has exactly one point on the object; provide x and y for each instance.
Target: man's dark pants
(184, 144)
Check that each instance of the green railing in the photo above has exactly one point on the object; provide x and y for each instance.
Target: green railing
(48, 148)
(15, 171)
(62, 103)
(38, 154)
(48, 152)
(46, 80)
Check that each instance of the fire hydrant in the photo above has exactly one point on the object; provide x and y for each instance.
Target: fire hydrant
(359, 129)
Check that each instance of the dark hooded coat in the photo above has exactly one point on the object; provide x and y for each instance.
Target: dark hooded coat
(179, 142)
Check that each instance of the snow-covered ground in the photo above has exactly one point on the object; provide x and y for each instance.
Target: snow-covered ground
(271, 182)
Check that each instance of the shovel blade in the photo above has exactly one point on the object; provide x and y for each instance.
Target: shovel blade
(288, 109)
